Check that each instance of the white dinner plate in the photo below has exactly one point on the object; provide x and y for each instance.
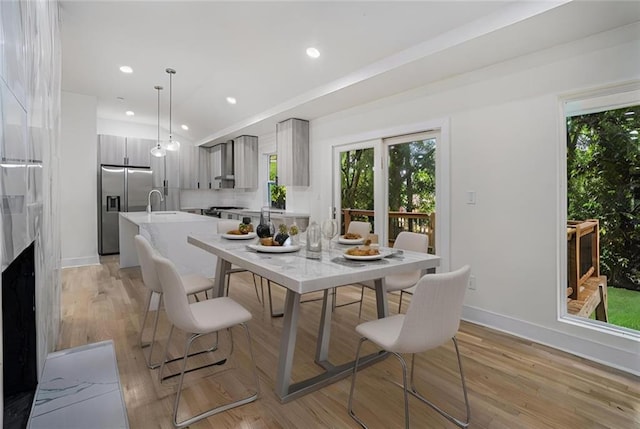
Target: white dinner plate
(239, 237)
(343, 240)
(274, 249)
(380, 255)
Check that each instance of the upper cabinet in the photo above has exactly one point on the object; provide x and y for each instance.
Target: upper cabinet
(292, 140)
(246, 162)
(189, 166)
(111, 149)
(117, 150)
(139, 152)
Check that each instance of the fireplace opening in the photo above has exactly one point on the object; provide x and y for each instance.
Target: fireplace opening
(19, 339)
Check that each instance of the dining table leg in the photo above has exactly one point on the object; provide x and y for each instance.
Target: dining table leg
(324, 330)
(222, 267)
(381, 298)
(287, 343)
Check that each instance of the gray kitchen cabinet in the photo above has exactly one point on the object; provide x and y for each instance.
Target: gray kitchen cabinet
(112, 149)
(215, 166)
(158, 171)
(246, 162)
(292, 141)
(172, 169)
(116, 150)
(189, 166)
(139, 151)
(204, 169)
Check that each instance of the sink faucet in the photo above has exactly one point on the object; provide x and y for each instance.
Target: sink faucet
(149, 199)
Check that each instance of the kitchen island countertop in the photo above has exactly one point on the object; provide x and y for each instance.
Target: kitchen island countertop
(140, 218)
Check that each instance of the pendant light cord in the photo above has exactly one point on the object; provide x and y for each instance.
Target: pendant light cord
(158, 88)
(171, 73)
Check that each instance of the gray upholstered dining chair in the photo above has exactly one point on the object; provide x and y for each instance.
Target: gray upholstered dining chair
(193, 284)
(432, 319)
(224, 226)
(198, 319)
(403, 282)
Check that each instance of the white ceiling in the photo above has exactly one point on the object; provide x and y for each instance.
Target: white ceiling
(255, 52)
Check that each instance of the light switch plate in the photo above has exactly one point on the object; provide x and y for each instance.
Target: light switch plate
(471, 197)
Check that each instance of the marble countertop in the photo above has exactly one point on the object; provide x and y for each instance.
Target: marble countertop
(140, 218)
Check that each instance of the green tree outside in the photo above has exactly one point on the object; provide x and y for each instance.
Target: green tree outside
(603, 182)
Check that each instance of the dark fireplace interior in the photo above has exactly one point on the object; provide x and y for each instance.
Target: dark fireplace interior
(19, 339)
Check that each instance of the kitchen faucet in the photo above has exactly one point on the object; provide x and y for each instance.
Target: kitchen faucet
(149, 199)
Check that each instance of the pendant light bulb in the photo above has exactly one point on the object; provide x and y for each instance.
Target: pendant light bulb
(158, 151)
(172, 144)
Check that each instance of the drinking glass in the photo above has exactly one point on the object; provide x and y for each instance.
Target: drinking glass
(329, 230)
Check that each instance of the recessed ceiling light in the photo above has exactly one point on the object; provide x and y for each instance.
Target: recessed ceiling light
(129, 113)
(313, 52)
(231, 100)
(126, 69)
(184, 127)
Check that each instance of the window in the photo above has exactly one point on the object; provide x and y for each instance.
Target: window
(277, 194)
(603, 208)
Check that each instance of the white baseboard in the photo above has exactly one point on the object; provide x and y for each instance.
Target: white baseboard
(622, 359)
(79, 262)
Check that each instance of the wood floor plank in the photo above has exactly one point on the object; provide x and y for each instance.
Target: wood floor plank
(512, 382)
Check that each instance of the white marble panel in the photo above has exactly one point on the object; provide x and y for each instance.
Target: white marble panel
(12, 48)
(80, 388)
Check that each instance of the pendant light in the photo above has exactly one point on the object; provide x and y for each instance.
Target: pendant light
(158, 150)
(172, 144)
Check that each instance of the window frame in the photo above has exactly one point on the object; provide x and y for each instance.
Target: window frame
(584, 102)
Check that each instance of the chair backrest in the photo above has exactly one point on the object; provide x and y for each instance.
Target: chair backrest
(147, 266)
(226, 225)
(434, 313)
(357, 227)
(176, 302)
(412, 241)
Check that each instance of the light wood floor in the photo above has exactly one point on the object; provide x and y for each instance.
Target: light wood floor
(512, 383)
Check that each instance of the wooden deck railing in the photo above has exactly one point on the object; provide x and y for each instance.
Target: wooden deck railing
(423, 223)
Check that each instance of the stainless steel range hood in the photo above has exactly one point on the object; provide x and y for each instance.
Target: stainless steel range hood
(226, 176)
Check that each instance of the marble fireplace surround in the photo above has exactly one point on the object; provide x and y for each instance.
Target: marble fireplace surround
(29, 148)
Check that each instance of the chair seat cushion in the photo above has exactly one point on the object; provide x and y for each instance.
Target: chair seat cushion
(383, 332)
(215, 314)
(194, 283)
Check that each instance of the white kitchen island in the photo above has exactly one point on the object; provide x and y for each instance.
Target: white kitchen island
(167, 232)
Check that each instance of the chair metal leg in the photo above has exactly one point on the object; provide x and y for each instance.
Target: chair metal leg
(148, 358)
(353, 384)
(405, 389)
(416, 394)
(353, 387)
(221, 408)
(144, 319)
(361, 300)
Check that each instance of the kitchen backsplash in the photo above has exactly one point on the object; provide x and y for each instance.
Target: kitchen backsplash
(204, 198)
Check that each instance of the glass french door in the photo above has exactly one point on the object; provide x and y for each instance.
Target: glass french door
(410, 178)
(356, 183)
(397, 184)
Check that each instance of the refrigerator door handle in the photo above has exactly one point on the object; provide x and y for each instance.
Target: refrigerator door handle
(113, 203)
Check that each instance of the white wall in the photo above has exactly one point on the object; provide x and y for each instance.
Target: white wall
(78, 177)
(505, 145)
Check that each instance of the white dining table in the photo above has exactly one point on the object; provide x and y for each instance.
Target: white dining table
(299, 275)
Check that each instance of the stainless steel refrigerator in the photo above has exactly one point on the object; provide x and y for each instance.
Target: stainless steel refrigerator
(121, 189)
